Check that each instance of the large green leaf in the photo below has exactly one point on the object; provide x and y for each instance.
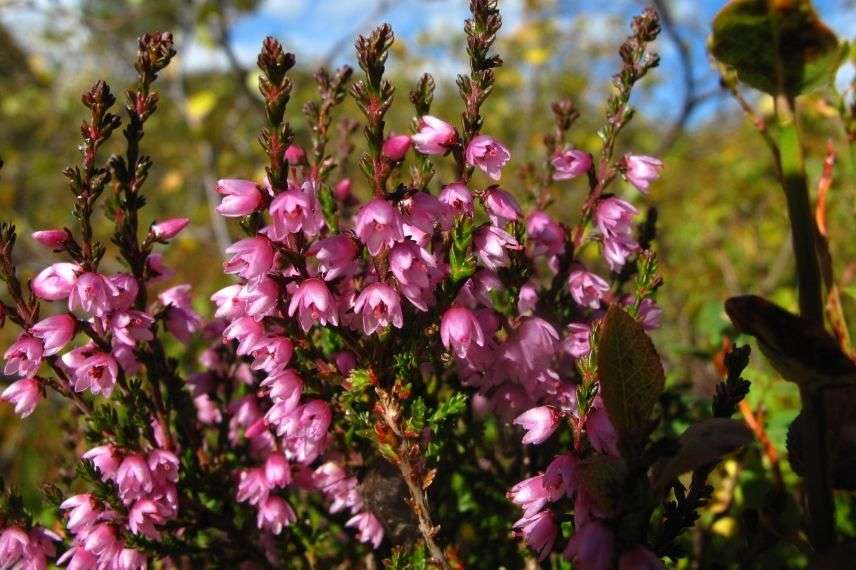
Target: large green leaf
(777, 46)
(702, 444)
(631, 374)
(800, 350)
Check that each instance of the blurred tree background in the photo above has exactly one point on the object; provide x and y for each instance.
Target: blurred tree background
(722, 219)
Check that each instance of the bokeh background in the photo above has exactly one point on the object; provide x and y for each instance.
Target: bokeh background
(723, 226)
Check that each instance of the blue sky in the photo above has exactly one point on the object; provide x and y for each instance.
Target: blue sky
(311, 28)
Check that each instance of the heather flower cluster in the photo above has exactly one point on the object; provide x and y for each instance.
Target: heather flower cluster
(331, 356)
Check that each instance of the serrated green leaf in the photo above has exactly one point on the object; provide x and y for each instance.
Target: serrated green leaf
(777, 46)
(452, 407)
(630, 372)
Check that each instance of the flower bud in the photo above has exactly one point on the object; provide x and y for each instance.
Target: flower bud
(342, 190)
(168, 229)
(295, 155)
(395, 147)
(54, 239)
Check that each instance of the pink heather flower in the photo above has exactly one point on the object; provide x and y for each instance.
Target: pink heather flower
(586, 288)
(54, 239)
(168, 229)
(97, 373)
(435, 136)
(41, 548)
(570, 163)
(277, 471)
(378, 226)
(614, 217)
(245, 412)
(458, 197)
(247, 331)
(576, 343)
(460, 331)
(501, 207)
(335, 255)
(157, 270)
(477, 290)
(78, 558)
(380, 306)
(163, 465)
(537, 340)
(539, 531)
(259, 298)
(488, 154)
(650, 315)
(229, 303)
(251, 257)
(93, 293)
(616, 251)
(492, 245)
(293, 211)
(306, 433)
(416, 271)
(178, 296)
(24, 356)
(81, 512)
(295, 155)
(142, 518)
(24, 395)
(252, 486)
(530, 495)
(271, 354)
(284, 385)
(101, 541)
(55, 332)
(181, 320)
(560, 477)
(370, 529)
(342, 190)
(134, 478)
(395, 147)
(546, 236)
(528, 298)
(207, 411)
(422, 213)
(55, 282)
(130, 327)
(105, 460)
(313, 303)
(14, 544)
(641, 170)
(274, 514)
(126, 290)
(591, 547)
(600, 431)
(539, 423)
(241, 197)
(129, 559)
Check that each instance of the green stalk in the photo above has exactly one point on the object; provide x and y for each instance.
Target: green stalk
(821, 508)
